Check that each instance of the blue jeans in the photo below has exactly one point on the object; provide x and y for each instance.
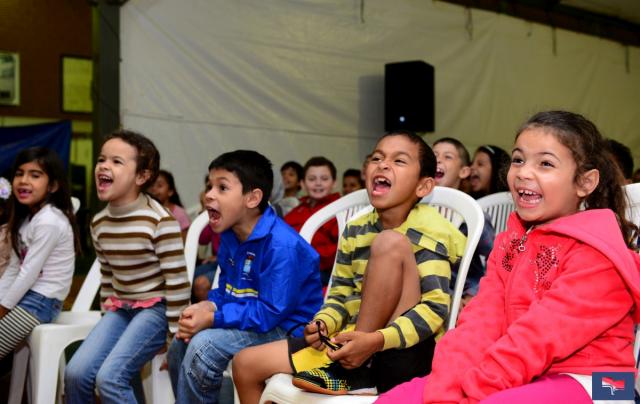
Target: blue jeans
(41, 307)
(115, 350)
(196, 368)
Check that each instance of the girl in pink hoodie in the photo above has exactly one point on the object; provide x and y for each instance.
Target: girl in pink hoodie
(559, 301)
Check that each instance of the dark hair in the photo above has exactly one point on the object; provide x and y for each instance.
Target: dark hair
(500, 161)
(426, 158)
(4, 211)
(586, 144)
(320, 161)
(295, 166)
(51, 164)
(462, 151)
(148, 157)
(175, 198)
(353, 172)
(252, 169)
(623, 157)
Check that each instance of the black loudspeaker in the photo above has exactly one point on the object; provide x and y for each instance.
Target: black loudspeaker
(409, 96)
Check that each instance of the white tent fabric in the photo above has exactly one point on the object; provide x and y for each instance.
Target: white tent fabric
(298, 78)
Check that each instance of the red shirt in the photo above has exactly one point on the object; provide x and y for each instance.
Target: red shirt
(325, 241)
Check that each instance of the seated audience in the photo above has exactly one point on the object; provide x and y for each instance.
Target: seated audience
(292, 173)
(559, 301)
(488, 171)
(269, 281)
(351, 181)
(452, 169)
(164, 191)
(318, 180)
(390, 298)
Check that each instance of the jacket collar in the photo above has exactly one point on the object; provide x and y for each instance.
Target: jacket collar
(261, 229)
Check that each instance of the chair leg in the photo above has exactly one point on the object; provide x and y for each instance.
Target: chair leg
(158, 383)
(18, 373)
(44, 378)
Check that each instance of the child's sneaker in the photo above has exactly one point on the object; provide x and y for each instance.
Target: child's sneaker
(335, 380)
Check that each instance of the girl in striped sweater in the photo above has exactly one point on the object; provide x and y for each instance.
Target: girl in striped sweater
(144, 279)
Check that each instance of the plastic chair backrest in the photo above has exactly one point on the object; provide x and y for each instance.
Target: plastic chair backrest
(455, 204)
(191, 243)
(75, 204)
(499, 206)
(88, 290)
(462, 208)
(342, 209)
(633, 213)
(633, 197)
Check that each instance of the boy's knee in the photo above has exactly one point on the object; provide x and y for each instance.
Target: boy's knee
(390, 242)
(241, 364)
(201, 287)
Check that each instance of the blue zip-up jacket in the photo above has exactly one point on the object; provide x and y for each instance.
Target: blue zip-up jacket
(270, 280)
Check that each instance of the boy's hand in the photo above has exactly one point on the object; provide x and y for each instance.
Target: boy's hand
(3, 311)
(311, 334)
(357, 347)
(195, 318)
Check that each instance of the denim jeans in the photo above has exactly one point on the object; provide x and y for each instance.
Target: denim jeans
(115, 350)
(196, 368)
(41, 307)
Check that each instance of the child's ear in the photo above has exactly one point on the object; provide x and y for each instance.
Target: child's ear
(425, 186)
(588, 182)
(465, 172)
(143, 177)
(253, 198)
(53, 188)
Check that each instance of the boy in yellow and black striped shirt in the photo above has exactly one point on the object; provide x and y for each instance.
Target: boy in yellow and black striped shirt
(389, 297)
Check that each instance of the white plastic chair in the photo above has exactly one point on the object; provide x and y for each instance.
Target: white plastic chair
(499, 206)
(47, 342)
(462, 207)
(75, 204)
(633, 196)
(342, 210)
(156, 382)
(633, 213)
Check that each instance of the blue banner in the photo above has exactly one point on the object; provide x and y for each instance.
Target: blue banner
(56, 136)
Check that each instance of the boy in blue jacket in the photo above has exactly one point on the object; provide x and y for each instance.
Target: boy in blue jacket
(269, 280)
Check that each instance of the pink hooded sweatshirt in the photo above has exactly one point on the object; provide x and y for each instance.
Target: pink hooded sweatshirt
(560, 297)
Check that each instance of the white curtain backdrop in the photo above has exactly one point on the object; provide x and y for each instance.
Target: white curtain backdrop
(299, 78)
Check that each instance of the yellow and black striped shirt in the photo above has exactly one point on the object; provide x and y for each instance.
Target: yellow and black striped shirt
(437, 244)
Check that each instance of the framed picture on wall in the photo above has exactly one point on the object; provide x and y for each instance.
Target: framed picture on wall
(9, 78)
(77, 75)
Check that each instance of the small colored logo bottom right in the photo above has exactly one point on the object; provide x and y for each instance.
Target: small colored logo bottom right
(612, 385)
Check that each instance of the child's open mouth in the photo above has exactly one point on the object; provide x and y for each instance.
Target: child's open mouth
(104, 182)
(214, 216)
(23, 193)
(439, 174)
(381, 186)
(529, 197)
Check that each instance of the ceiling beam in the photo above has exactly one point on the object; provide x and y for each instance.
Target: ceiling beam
(552, 13)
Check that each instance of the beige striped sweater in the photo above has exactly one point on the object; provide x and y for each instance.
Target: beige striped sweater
(141, 255)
